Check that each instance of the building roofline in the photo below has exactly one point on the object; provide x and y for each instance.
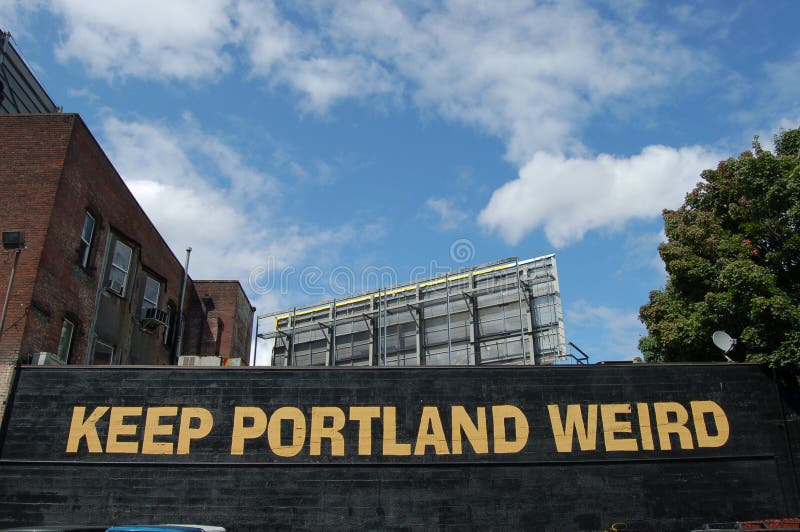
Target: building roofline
(220, 281)
(125, 185)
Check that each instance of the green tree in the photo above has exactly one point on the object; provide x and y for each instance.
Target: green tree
(733, 259)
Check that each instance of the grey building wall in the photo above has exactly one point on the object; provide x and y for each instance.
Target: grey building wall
(20, 92)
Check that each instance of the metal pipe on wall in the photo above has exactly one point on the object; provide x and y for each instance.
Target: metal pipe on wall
(181, 321)
(519, 302)
(255, 347)
(8, 291)
(291, 339)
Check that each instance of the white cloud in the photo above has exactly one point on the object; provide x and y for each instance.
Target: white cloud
(568, 197)
(11, 15)
(447, 215)
(619, 330)
(327, 80)
(200, 192)
(179, 39)
(282, 53)
(527, 73)
(268, 38)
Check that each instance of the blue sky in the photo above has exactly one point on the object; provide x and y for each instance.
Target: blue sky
(303, 146)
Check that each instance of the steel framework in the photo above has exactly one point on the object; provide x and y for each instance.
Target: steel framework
(507, 312)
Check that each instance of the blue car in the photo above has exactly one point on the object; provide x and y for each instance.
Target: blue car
(166, 528)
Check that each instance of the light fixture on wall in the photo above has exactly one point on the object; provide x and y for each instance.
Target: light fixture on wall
(13, 240)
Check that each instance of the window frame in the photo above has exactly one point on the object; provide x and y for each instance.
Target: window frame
(125, 271)
(86, 252)
(106, 344)
(148, 303)
(169, 329)
(65, 358)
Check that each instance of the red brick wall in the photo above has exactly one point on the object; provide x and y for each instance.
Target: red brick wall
(31, 158)
(51, 172)
(91, 182)
(226, 324)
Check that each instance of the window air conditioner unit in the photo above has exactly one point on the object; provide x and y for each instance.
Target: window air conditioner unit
(114, 286)
(188, 360)
(153, 317)
(45, 359)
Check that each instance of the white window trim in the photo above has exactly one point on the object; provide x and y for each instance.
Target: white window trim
(86, 252)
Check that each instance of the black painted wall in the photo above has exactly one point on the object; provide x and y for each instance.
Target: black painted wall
(751, 475)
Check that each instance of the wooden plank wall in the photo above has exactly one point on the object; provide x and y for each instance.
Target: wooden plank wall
(675, 446)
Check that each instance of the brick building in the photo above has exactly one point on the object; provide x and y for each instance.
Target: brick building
(95, 283)
(222, 323)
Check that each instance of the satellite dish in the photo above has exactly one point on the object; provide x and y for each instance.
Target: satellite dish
(724, 341)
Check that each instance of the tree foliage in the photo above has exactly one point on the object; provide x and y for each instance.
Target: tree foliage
(733, 259)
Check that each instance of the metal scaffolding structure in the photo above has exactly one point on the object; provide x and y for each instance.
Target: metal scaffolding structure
(507, 312)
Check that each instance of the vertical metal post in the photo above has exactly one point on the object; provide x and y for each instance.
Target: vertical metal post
(373, 341)
(333, 333)
(377, 325)
(283, 344)
(447, 310)
(255, 347)
(519, 300)
(420, 340)
(291, 361)
(473, 329)
(385, 327)
(8, 291)
(179, 348)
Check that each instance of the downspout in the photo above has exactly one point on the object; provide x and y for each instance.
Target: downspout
(179, 347)
(251, 361)
(8, 292)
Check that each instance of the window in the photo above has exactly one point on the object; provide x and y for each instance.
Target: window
(120, 264)
(65, 343)
(86, 240)
(151, 290)
(103, 353)
(169, 330)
